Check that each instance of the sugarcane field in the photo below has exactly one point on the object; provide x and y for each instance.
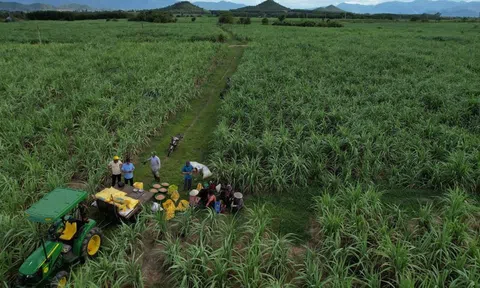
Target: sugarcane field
(190, 147)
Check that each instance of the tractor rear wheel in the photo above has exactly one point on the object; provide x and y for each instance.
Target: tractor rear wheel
(60, 280)
(92, 242)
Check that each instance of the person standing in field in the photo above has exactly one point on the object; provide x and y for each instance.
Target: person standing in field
(116, 167)
(155, 165)
(187, 171)
(127, 169)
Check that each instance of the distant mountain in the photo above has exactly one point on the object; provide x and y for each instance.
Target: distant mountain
(37, 6)
(266, 6)
(184, 7)
(222, 5)
(74, 7)
(109, 4)
(466, 9)
(132, 4)
(459, 12)
(445, 7)
(357, 8)
(15, 6)
(330, 9)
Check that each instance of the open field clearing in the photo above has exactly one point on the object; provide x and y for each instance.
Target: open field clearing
(317, 124)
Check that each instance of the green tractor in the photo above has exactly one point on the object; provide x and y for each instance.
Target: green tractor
(71, 238)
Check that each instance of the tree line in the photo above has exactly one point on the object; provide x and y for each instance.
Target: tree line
(328, 15)
(165, 17)
(72, 16)
(154, 16)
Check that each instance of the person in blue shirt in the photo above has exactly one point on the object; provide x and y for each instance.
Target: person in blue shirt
(187, 172)
(127, 169)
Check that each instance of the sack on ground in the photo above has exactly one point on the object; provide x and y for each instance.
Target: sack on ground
(203, 168)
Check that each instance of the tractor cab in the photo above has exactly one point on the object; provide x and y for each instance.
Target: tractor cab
(71, 237)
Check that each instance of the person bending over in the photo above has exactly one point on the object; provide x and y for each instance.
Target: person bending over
(211, 199)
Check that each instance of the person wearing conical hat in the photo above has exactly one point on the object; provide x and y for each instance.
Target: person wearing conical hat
(194, 199)
(116, 167)
(237, 203)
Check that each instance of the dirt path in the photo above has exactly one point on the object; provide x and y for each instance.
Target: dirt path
(197, 124)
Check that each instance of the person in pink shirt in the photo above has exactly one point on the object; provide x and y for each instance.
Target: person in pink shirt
(194, 199)
(211, 199)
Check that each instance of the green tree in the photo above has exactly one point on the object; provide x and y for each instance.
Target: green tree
(226, 18)
(245, 21)
(265, 21)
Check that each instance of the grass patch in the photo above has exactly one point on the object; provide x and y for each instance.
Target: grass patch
(411, 199)
(291, 212)
(197, 124)
(459, 40)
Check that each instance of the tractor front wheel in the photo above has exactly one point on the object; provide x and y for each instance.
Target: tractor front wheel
(92, 242)
(60, 280)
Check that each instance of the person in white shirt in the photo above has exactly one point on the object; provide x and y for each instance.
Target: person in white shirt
(155, 165)
(115, 166)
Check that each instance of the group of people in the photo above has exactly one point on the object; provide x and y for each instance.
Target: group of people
(220, 198)
(117, 167)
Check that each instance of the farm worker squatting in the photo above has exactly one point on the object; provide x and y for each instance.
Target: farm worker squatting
(155, 165)
(127, 169)
(187, 171)
(116, 166)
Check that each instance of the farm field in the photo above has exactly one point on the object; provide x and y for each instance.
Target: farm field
(372, 102)
(374, 105)
(317, 125)
(101, 32)
(72, 105)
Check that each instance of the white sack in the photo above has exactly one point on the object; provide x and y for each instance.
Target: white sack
(204, 169)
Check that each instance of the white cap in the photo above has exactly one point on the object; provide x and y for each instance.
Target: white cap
(194, 192)
(238, 195)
